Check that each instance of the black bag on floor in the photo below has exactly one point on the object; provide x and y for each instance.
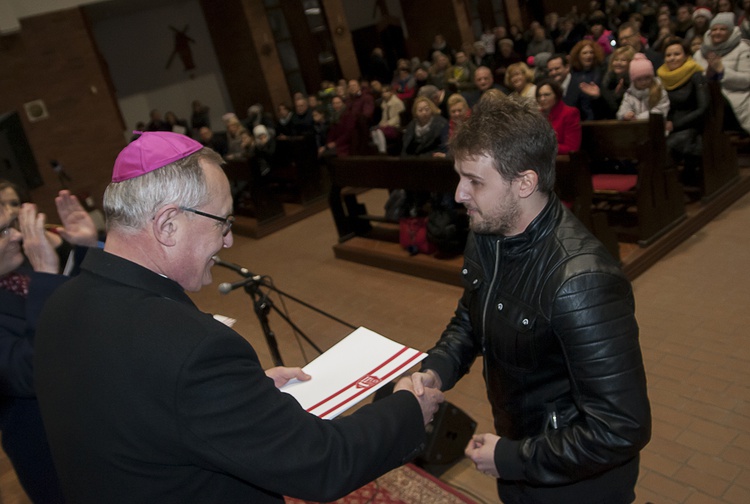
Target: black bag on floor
(447, 226)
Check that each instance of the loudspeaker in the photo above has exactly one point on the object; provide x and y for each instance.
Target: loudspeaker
(447, 436)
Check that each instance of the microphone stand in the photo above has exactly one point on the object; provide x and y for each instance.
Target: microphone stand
(263, 304)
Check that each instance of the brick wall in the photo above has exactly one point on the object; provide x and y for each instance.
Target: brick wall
(54, 58)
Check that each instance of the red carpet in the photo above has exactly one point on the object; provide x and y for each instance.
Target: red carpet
(405, 485)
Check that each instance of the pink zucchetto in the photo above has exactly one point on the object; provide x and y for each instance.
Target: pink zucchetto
(151, 151)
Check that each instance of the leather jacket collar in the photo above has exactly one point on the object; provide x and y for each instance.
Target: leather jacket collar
(538, 229)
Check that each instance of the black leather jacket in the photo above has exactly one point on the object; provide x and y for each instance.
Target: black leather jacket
(553, 315)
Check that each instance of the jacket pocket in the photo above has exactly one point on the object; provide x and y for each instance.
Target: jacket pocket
(511, 324)
(471, 276)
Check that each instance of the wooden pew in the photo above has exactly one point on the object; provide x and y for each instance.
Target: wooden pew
(574, 188)
(381, 172)
(354, 222)
(656, 194)
(719, 158)
(296, 172)
(573, 184)
(370, 238)
(251, 191)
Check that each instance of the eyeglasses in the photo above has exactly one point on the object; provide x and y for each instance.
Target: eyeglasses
(622, 39)
(226, 222)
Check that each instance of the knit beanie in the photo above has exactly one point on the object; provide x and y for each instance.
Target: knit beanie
(259, 131)
(640, 66)
(723, 18)
(541, 59)
(702, 12)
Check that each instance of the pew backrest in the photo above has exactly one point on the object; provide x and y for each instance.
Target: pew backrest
(381, 172)
(390, 172)
(656, 192)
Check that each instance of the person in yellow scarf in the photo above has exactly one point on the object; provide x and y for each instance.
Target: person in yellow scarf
(686, 87)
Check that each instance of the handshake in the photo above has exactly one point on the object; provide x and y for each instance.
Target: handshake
(426, 388)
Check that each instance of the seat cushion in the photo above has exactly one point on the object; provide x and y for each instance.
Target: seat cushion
(607, 182)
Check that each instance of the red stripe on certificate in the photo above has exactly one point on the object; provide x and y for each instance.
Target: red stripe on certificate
(397, 370)
(347, 387)
(355, 382)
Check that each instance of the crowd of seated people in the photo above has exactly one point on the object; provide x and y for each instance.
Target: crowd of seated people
(585, 59)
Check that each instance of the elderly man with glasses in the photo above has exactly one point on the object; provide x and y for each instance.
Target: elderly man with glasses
(147, 399)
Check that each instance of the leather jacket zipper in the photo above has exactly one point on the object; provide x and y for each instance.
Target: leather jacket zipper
(553, 420)
(487, 300)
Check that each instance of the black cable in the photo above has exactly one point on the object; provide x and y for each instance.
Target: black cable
(296, 333)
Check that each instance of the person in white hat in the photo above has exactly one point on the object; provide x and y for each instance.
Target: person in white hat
(726, 57)
(645, 95)
(701, 18)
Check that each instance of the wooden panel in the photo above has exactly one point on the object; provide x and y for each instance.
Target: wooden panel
(423, 25)
(419, 174)
(247, 54)
(54, 58)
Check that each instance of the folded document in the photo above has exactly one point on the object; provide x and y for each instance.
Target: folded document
(350, 371)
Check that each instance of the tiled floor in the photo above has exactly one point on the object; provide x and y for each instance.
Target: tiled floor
(693, 308)
(694, 311)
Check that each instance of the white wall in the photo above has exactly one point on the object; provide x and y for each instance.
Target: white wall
(137, 48)
(177, 98)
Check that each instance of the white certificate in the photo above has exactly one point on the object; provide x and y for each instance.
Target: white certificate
(351, 370)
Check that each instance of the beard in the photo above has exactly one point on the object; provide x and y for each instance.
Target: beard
(502, 219)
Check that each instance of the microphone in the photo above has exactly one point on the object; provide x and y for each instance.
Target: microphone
(226, 287)
(234, 267)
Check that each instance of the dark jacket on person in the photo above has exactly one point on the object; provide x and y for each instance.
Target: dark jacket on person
(23, 437)
(688, 104)
(217, 142)
(341, 131)
(473, 96)
(147, 399)
(611, 99)
(301, 124)
(435, 139)
(590, 108)
(553, 315)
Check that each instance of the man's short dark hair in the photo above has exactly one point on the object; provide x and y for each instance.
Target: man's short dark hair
(514, 134)
(675, 40)
(562, 56)
(629, 25)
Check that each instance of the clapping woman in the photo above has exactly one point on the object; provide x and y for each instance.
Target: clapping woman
(614, 83)
(683, 79)
(726, 58)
